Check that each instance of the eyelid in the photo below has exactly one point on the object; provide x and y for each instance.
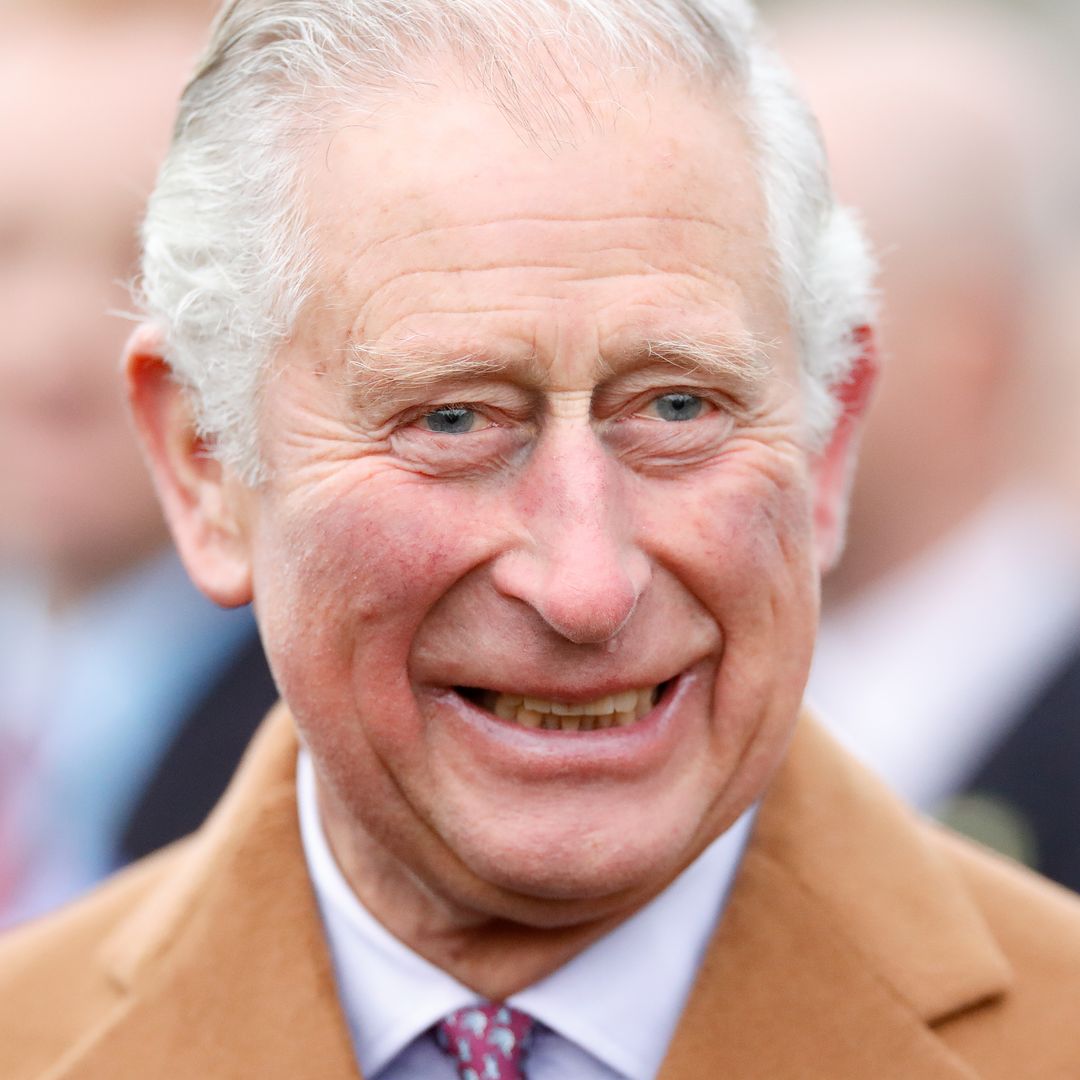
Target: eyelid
(485, 420)
(714, 400)
(416, 413)
(679, 391)
(490, 416)
(491, 399)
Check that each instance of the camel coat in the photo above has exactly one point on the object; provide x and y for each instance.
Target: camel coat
(858, 942)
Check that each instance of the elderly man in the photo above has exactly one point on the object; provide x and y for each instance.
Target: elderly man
(509, 355)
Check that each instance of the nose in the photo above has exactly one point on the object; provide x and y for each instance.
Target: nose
(577, 565)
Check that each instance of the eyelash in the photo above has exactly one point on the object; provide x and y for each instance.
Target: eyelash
(485, 412)
(713, 401)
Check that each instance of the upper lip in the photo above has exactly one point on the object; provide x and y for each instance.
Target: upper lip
(577, 694)
(566, 676)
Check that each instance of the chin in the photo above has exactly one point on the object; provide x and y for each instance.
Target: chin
(603, 865)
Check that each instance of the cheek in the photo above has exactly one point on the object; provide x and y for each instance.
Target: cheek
(344, 578)
(744, 542)
(746, 554)
(755, 573)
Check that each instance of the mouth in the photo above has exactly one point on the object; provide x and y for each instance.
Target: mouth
(619, 710)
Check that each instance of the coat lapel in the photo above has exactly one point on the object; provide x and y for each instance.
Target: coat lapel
(224, 972)
(846, 938)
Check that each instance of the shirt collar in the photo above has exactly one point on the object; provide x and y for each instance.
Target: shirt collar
(620, 999)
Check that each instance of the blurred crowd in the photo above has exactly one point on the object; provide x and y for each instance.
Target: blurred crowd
(125, 697)
(949, 656)
(949, 652)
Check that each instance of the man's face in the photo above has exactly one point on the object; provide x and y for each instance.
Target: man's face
(501, 495)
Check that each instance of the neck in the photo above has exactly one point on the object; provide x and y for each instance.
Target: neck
(494, 955)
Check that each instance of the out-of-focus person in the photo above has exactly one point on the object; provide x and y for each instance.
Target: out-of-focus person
(949, 656)
(114, 734)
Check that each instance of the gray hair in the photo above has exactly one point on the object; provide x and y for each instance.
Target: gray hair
(227, 266)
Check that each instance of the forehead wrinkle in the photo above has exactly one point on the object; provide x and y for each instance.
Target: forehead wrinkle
(411, 282)
(406, 235)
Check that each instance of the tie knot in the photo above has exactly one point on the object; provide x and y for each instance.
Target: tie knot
(487, 1042)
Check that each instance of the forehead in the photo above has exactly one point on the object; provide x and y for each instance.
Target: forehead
(647, 207)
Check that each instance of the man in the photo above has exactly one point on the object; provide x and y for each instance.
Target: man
(949, 657)
(126, 698)
(531, 461)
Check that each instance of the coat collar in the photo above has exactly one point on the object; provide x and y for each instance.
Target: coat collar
(223, 971)
(846, 938)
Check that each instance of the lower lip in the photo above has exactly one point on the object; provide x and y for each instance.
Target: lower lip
(540, 754)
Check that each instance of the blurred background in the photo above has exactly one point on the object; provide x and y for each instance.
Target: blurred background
(125, 697)
(950, 649)
(949, 653)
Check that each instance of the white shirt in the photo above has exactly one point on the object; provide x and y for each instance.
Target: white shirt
(608, 1014)
(921, 674)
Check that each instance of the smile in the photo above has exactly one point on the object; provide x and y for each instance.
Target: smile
(613, 711)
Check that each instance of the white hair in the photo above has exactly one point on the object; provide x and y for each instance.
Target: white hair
(227, 266)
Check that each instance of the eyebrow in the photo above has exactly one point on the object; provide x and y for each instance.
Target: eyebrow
(738, 358)
(378, 373)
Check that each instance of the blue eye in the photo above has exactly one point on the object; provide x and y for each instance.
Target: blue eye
(677, 407)
(451, 420)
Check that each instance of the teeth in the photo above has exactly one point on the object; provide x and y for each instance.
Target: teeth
(504, 707)
(600, 707)
(615, 710)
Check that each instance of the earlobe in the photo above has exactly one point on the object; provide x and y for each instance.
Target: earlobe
(832, 468)
(206, 507)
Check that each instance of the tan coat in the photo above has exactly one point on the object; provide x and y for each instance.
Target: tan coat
(858, 942)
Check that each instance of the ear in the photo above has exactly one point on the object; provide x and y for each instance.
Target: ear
(207, 507)
(833, 466)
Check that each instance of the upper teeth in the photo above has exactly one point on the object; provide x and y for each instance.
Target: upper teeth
(611, 711)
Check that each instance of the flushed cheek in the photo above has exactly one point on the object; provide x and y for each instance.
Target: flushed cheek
(745, 553)
(744, 532)
(763, 551)
(342, 591)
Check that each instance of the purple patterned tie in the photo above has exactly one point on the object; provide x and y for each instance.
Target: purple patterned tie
(488, 1042)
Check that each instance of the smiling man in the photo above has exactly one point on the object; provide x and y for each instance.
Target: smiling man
(509, 357)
